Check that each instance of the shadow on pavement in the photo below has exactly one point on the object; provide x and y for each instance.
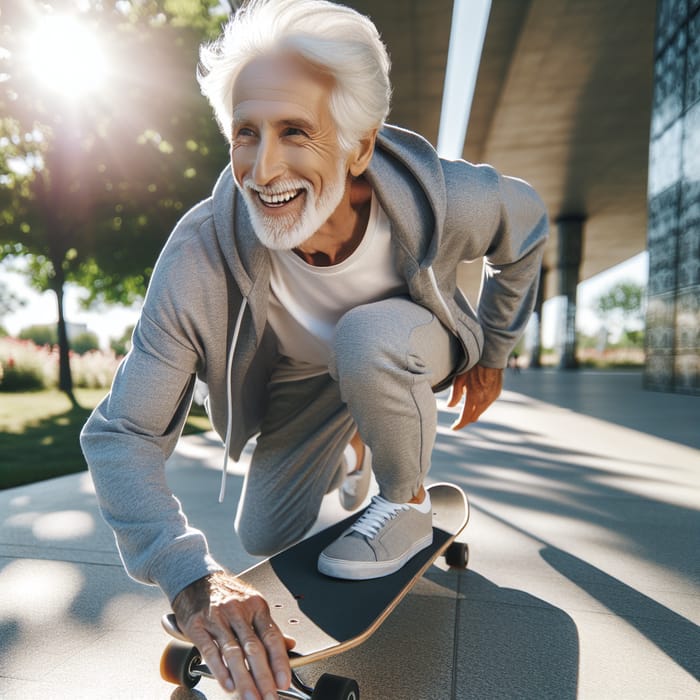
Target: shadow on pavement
(513, 645)
(671, 633)
(523, 470)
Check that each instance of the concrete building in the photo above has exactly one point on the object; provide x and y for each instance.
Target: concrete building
(579, 97)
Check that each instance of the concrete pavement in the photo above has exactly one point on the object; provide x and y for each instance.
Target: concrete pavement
(584, 577)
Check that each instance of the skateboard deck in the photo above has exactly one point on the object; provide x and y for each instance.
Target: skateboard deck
(327, 616)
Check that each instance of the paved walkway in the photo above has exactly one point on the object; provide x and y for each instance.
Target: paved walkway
(584, 576)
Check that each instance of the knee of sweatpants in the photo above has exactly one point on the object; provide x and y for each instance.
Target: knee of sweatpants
(258, 540)
(359, 346)
(263, 539)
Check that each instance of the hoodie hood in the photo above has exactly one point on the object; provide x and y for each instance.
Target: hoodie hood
(402, 161)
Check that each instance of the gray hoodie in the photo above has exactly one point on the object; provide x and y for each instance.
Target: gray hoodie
(205, 316)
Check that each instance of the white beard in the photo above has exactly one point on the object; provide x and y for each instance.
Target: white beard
(288, 232)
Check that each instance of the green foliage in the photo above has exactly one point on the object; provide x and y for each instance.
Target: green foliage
(40, 334)
(623, 298)
(9, 301)
(89, 191)
(84, 342)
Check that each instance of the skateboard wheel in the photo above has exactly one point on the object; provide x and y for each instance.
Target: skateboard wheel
(330, 687)
(457, 555)
(177, 663)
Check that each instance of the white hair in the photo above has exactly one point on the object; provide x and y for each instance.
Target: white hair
(339, 40)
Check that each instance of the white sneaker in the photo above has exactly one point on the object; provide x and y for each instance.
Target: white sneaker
(380, 541)
(356, 485)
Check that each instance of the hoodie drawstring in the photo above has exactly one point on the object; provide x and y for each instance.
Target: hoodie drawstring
(229, 412)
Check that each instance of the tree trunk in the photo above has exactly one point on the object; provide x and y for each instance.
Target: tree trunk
(65, 378)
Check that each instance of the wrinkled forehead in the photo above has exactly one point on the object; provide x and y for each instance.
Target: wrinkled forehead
(273, 82)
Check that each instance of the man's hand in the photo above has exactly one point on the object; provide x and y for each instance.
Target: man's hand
(230, 623)
(482, 386)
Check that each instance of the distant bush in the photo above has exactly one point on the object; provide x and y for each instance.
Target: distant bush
(84, 342)
(40, 334)
(26, 366)
(94, 369)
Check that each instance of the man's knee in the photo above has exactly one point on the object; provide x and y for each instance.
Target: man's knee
(263, 539)
(360, 345)
(258, 539)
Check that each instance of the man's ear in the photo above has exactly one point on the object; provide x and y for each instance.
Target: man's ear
(362, 153)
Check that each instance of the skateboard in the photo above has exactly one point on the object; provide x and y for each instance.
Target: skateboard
(325, 615)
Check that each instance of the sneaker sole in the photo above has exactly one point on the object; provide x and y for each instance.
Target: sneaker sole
(361, 571)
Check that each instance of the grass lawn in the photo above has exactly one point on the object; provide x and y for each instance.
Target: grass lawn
(39, 434)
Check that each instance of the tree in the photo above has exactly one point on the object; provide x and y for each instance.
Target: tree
(90, 189)
(623, 304)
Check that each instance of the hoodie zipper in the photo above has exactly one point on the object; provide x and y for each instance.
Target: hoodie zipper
(443, 303)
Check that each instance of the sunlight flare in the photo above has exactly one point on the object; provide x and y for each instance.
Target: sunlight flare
(66, 57)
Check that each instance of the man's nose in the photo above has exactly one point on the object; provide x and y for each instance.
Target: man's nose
(268, 161)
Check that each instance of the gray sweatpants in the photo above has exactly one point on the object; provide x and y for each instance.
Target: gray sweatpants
(387, 357)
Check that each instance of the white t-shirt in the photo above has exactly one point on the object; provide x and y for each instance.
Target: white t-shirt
(306, 302)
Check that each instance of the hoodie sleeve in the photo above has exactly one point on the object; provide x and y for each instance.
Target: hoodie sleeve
(512, 266)
(129, 436)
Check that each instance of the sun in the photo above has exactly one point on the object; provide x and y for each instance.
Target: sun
(66, 57)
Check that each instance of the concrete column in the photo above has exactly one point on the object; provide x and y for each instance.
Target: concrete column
(570, 248)
(536, 348)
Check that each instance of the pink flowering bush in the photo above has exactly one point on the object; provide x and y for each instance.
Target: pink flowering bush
(94, 369)
(25, 366)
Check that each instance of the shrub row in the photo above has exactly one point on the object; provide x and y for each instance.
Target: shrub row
(25, 366)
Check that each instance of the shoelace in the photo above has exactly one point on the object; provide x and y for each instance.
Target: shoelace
(378, 512)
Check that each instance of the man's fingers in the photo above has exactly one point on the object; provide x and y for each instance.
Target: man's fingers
(470, 413)
(457, 391)
(235, 653)
(277, 647)
(259, 659)
(211, 655)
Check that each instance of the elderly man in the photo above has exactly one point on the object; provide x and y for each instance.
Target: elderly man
(314, 293)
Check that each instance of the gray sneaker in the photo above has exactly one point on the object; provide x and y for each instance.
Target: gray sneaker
(356, 485)
(380, 541)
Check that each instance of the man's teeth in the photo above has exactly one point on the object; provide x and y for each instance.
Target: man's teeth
(279, 198)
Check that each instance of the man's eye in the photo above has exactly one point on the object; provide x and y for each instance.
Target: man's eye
(294, 131)
(245, 132)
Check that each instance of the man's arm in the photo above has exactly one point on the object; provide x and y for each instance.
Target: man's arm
(513, 262)
(126, 442)
(512, 249)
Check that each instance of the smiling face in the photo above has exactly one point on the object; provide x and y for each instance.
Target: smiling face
(284, 149)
